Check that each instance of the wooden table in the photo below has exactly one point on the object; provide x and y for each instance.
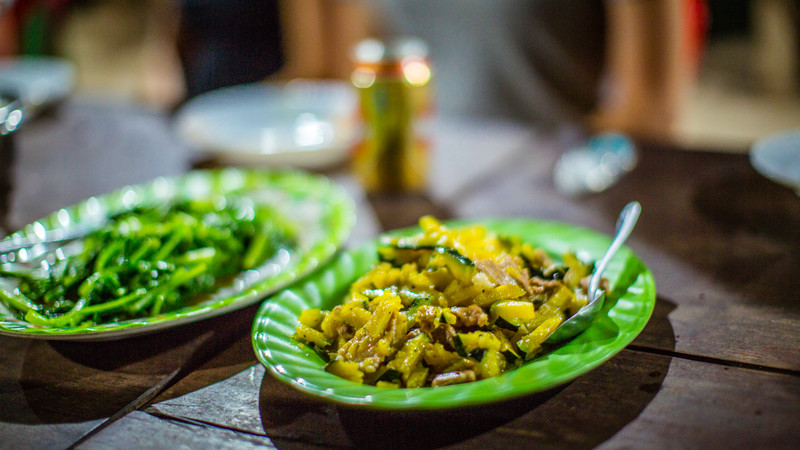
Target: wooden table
(718, 365)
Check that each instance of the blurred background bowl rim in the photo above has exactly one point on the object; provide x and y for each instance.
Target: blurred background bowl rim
(331, 102)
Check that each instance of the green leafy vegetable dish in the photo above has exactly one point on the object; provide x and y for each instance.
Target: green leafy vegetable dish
(456, 329)
(172, 251)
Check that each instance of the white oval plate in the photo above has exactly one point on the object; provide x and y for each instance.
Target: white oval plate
(305, 124)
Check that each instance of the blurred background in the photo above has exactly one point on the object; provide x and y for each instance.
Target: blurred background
(698, 73)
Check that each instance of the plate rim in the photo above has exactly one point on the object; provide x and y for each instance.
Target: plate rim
(341, 216)
(372, 397)
(766, 145)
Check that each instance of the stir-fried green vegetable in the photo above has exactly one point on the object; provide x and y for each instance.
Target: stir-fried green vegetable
(148, 261)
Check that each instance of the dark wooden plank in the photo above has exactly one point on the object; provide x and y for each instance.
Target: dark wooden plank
(50, 383)
(52, 393)
(232, 403)
(641, 400)
(255, 403)
(229, 353)
(637, 399)
(144, 431)
(706, 405)
(29, 436)
(66, 382)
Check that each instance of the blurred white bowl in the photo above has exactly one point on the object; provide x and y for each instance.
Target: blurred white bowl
(301, 123)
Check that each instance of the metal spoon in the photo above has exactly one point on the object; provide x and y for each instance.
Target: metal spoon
(583, 318)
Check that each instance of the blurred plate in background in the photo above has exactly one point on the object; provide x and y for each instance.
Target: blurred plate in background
(36, 80)
(777, 157)
(305, 124)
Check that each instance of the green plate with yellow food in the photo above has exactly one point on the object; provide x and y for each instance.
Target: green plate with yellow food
(451, 315)
(169, 252)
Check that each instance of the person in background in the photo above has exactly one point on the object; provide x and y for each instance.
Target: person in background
(653, 53)
(624, 65)
(320, 34)
(614, 64)
(223, 43)
(535, 61)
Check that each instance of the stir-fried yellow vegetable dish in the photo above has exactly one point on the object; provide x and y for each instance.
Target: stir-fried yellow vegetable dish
(446, 306)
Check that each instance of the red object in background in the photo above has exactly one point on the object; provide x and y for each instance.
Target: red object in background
(697, 22)
(8, 35)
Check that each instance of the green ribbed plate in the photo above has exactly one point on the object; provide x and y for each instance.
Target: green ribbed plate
(625, 313)
(320, 210)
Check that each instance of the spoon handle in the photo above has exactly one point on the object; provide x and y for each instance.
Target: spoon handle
(625, 223)
(13, 244)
